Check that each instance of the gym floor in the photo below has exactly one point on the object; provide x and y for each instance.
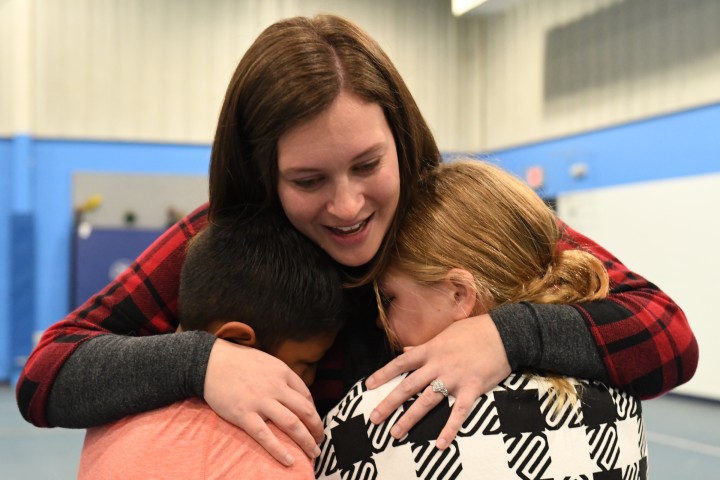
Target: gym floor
(683, 441)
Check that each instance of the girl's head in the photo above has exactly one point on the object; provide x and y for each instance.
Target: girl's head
(295, 72)
(478, 231)
(475, 239)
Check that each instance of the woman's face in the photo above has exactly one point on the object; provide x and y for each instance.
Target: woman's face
(339, 180)
(416, 313)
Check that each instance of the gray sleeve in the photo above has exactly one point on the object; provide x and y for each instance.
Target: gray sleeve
(549, 337)
(112, 376)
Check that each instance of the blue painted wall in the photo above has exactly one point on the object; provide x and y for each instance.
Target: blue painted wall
(56, 162)
(36, 209)
(682, 144)
(5, 212)
(36, 177)
(22, 290)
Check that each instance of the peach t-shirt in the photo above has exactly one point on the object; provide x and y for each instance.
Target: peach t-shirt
(185, 440)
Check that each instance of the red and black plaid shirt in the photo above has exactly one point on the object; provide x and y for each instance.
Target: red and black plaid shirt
(642, 335)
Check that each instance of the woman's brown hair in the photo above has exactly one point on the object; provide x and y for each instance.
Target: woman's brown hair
(291, 73)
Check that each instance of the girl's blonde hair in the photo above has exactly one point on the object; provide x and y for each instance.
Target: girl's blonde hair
(477, 217)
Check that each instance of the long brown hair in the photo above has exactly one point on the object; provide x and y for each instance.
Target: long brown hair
(477, 217)
(292, 72)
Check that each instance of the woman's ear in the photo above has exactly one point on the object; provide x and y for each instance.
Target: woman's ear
(464, 292)
(237, 332)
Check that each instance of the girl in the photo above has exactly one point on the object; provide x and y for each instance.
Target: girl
(530, 425)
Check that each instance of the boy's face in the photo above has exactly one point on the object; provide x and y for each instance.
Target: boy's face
(302, 356)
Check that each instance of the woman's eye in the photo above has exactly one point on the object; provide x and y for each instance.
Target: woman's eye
(368, 167)
(307, 182)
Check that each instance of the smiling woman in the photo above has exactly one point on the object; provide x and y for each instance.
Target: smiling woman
(339, 181)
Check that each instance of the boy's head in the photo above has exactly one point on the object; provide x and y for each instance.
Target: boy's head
(260, 283)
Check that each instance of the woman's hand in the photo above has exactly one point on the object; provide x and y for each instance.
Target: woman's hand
(248, 387)
(468, 357)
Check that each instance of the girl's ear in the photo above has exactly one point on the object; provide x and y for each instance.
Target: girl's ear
(465, 295)
(237, 332)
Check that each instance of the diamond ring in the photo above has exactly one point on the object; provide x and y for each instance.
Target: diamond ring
(439, 386)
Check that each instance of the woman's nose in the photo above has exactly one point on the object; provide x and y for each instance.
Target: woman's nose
(347, 202)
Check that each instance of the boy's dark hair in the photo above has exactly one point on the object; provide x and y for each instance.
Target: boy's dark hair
(262, 272)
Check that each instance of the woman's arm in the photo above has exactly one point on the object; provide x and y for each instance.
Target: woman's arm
(637, 338)
(142, 301)
(152, 372)
(641, 335)
(638, 334)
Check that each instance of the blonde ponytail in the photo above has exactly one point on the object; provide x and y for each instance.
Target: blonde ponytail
(573, 276)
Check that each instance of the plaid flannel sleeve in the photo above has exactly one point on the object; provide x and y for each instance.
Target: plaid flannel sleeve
(642, 336)
(141, 301)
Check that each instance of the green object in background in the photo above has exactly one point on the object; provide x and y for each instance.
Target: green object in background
(129, 218)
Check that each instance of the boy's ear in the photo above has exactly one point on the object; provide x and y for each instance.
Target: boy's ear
(237, 332)
(465, 295)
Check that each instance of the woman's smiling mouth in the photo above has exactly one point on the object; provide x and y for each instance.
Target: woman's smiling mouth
(349, 230)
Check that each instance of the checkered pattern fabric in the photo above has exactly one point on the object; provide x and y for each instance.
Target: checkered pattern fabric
(513, 432)
(639, 320)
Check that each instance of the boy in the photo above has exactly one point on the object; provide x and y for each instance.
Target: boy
(257, 283)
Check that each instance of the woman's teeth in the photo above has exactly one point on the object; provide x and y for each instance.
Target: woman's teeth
(349, 230)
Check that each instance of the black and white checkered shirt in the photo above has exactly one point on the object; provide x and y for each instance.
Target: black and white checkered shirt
(514, 431)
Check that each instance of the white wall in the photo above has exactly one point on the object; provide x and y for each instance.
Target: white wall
(16, 67)
(156, 70)
(669, 231)
(7, 15)
(628, 60)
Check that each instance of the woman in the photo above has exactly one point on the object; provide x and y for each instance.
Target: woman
(318, 124)
(529, 426)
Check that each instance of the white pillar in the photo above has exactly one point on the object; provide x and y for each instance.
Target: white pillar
(23, 66)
